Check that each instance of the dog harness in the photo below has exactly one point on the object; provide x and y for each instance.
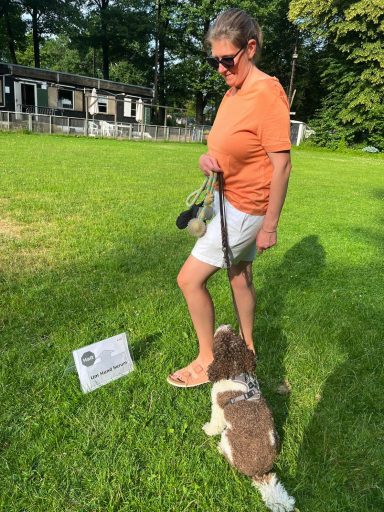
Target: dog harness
(253, 389)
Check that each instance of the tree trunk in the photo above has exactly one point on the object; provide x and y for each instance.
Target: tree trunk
(163, 27)
(104, 39)
(161, 91)
(36, 38)
(157, 36)
(11, 40)
(105, 50)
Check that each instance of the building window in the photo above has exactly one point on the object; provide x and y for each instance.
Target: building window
(129, 107)
(103, 105)
(65, 99)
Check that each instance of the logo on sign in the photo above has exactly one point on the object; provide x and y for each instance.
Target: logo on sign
(88, 358)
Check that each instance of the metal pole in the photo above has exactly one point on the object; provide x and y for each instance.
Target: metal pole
(86, 115)
(290, 92)
(116, 116)
(157, 36)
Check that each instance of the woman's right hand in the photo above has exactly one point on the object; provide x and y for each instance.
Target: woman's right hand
(208, 163)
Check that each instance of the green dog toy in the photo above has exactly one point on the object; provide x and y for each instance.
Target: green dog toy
(197, 226)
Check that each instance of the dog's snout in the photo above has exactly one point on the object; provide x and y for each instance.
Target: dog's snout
(224, 327)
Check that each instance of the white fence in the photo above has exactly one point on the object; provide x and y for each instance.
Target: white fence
(44, 123)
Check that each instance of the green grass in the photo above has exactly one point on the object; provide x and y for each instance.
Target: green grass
(89, 249)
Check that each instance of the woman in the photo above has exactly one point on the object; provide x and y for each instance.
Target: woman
(249, 143)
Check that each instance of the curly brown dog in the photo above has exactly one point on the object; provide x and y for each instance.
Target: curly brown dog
(241, 415)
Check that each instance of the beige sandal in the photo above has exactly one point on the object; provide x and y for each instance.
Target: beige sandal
(189, 377)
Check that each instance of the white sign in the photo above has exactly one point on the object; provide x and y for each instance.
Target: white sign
(103, 362)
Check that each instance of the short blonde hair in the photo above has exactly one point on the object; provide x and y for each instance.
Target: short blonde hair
(238, 27)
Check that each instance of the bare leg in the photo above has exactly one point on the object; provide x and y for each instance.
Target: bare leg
(192, 280)
(245, 296)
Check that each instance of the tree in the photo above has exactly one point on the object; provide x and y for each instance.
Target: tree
(120, 28)
(192, 19)
(46, 17)
(351, 36)
(102, 29)
(12, 30)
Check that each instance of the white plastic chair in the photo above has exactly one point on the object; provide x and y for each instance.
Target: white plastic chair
(93, 129)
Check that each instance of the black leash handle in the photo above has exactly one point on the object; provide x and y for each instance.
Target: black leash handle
(225, 246)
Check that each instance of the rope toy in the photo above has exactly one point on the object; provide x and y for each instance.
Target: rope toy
(197, 226)
(200, 208)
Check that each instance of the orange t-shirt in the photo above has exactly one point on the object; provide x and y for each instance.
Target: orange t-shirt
(248, 125)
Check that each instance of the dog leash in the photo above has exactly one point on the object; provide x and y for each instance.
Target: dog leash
(224, 242)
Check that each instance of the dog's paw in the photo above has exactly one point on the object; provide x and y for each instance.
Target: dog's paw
(211, 430)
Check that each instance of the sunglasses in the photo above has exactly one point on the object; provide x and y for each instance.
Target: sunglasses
(227, 62)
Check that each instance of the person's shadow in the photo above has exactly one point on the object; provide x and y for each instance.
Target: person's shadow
(340, 460)
(300, 268)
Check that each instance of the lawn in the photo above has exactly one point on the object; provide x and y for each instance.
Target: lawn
(89, 249)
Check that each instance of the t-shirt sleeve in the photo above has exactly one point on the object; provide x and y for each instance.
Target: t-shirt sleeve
(275, 124)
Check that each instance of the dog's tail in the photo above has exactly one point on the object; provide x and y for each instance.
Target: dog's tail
(273, 493)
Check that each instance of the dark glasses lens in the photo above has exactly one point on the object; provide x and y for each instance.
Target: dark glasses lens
(227, 62)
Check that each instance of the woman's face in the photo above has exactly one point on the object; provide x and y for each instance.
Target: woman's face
(235, 76)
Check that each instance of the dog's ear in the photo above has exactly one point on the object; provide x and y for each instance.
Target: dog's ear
(249, 361)
(222, 365)
(220, 368)
(244, 360)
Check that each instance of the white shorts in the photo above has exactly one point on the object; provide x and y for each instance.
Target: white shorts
(242, 230)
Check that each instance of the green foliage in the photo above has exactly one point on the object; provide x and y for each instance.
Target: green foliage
(353, 69)
(128, 73)
(12, 30)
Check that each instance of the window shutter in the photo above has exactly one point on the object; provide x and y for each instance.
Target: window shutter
(127, 107)
(52, 97)
(79, 101)
(111, 105)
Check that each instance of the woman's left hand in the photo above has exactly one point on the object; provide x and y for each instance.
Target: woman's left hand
(265, 240)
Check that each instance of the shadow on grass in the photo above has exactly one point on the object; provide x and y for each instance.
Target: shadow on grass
(62, 308)
(339, 462)
(340, 459)
(144, 346)
(378, 193)
(300, 267)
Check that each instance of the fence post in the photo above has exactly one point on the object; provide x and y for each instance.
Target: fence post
(68, 125)
(30, 126)
(167, 133)
(156, 130)
(50, 125)
(8, 124)
(130, 132)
